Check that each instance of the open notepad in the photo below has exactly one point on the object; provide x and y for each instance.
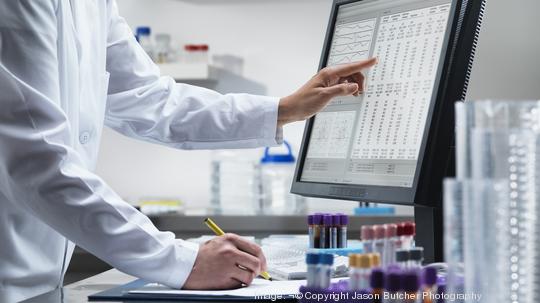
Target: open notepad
(259, 289)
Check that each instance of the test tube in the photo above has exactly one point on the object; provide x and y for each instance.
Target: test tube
(336, 221)
(389, 245)
(354, 272)
(312, 262)
(317, 228)
(402, 258)
(367, 233)
(400, 234)
(376, 282)
(364, 268)
(325, 231)
(311, 231)
(326, 261)
(378, 242)
(375, 259)
(409, 231)
(429, 278)
(410, 285)
(342, 233)
(416, 257)
(392, 285)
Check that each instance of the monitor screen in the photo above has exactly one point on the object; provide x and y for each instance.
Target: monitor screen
(376, 138)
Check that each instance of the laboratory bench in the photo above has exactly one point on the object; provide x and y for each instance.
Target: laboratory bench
(84, 264)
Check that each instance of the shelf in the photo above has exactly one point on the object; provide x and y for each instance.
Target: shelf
(186, 71)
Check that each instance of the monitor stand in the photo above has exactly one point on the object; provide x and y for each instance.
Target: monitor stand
(429, 232)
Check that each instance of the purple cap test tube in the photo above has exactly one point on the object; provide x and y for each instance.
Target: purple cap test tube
(410, 282)
(429, 276)
(342, 230)
(392, 281)
(325, 231)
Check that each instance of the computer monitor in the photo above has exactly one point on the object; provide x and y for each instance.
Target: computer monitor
(393, 144)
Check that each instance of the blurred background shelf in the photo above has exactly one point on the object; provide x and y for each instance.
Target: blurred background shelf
(188, 72)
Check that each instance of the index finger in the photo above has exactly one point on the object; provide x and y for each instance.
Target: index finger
(248, 247)
(348, 69)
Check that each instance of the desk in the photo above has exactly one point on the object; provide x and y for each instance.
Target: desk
(78, 292)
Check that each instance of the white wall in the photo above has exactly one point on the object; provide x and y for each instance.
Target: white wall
(280, 41)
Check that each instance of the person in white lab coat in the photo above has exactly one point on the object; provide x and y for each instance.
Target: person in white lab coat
(66, 69)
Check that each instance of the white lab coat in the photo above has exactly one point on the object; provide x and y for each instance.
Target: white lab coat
(66, 69)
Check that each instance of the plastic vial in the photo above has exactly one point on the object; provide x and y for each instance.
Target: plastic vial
(312, 262)
(409, 231)
(400, 233)
(364, 268)
(402, 258)
(429, 278)
(336, 222)
(317, 228)
(378, 242)
(162, 48)
(143, 34)
(390, 238)
(326, 261)
(354, 272)
(410, 285)
(325, 231)
(376, 282)
(367, 233)
(342, 232)
(392, 285)
(311, 231)
(375, 259)
(416, 257)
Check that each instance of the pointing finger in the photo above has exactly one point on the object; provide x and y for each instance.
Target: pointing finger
(346, 70)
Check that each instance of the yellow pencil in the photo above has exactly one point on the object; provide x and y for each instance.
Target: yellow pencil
(218, 231)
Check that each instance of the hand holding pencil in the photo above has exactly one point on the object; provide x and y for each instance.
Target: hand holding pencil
(226, 262)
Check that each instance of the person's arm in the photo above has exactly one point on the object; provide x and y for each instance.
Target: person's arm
(42, 174)
(144, 105)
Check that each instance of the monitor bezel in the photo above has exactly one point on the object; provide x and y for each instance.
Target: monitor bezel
(435, 157)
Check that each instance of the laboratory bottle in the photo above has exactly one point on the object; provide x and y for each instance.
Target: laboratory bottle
(342, 230)
(402, 258)
(354, 272)
(429, 278)
(364, 268)
(336, 222)
(375, 259)
(143, 34)
(392, 286)
(235, 183)
(389, 245)
(367, 233)
(277, 172)
(379, 232)
(326, 262)
(376, 282)
(325, 230)
(317, 228)
(312, 262)
(410, 286)
(409, 231)
(311, 228)
(416, 257)
(163, 48)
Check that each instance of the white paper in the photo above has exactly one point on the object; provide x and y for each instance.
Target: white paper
(258, 288)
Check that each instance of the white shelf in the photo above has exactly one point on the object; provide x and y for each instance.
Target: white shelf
(186, 71)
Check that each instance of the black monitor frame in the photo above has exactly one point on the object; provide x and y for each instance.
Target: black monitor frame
(436, 158)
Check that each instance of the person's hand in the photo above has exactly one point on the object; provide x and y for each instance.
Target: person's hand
(330, 82)
(226, 262)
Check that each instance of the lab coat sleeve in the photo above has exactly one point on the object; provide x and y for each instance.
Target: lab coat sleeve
(42, 174)
(145, 105)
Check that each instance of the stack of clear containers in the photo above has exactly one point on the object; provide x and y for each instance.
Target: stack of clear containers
(491, 208)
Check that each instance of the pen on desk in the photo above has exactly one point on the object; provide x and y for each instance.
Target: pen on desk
(218, 231)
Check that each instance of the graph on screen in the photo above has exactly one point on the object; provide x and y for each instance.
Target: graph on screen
(351, 42)
(332, 131)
